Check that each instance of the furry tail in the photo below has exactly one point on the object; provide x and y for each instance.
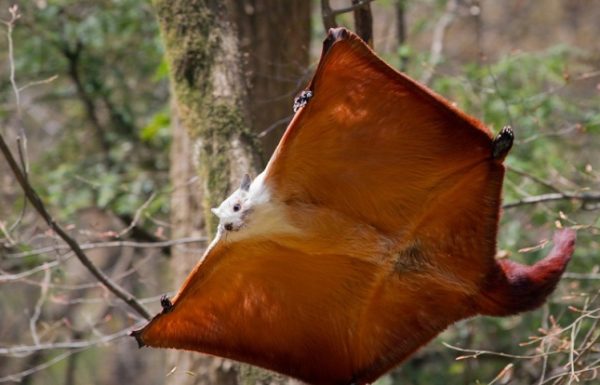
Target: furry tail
(514, 288)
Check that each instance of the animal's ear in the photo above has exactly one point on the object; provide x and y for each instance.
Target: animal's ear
(215, 210)
(245, 184)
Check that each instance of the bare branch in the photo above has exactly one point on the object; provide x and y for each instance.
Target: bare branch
(401, 26)
(73, 56)
(6, 233)
(502, 373)
(37, 203)
(351, 8)
(14, 16)
(138, 214)
(328, 14)
(5, 277)
(437, 43)
(591, 197)
(278, 123)
(18, 377)
(475, 353)
(363, 20)
(111, 244)
(583, 276)
(73, 346)
(560, 376)
(21, 137)
(25, 350)
(38, 306)
(38, 82)
(533, 178)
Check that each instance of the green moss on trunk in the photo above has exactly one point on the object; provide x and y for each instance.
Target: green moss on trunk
(202, 52)
(192, 31)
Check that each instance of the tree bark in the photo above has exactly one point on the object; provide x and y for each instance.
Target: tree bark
(187, 220)
(212, 71)
(401, 28)
(207, 83)
(276, 61)
(363, 21)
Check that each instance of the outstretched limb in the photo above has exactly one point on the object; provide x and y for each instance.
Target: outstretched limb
(515, 288)
(503, 143)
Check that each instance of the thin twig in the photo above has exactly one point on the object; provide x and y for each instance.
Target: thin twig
(284, 120)
(5, 277)
(25, 350)
(6, 233)
(502, 373)
(37, 312)
(562, 132)
(592, 197)
(116, 277)
(73, 346)
(18, 377)
(533, 178)
(38, 82)
(111, 244)
(138, 214)
(476, 353)
(328, 14)
(569, 275)
(591, 314)
(14, 16)
(572, 354)
(21, 137)
(350, 8)
(560, 376)
(37, 203)
(589, 346)
(437, 42)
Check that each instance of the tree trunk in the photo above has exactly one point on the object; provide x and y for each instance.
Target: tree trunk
(187, 220)
(274, 36)
(212, 137)
(207, 83)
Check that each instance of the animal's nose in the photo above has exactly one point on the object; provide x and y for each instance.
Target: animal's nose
(228, 226)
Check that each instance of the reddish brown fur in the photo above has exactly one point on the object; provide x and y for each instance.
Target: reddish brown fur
(396, 196)
(515, 288)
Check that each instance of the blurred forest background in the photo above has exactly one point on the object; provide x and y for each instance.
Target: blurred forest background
(128, 171)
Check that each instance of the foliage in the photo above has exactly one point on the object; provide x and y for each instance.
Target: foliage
(545, 96)
(108, 122)
(99, 137)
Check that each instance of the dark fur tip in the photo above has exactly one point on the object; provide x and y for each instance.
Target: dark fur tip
(339, 33)
(333, 35)
(166, 304)
(137, 334)
(503, 143)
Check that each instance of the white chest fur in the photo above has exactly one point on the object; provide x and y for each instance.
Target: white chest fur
(261, 215)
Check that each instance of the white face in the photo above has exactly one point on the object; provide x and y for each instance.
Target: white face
(233, 211)
(243, 208)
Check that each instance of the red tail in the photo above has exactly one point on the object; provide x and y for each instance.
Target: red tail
(514, 288)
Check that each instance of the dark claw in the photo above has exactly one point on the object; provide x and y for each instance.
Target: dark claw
(503, 143)
(166, 304)
(301, 100)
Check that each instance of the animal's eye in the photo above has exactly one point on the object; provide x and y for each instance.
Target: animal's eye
(237, 207)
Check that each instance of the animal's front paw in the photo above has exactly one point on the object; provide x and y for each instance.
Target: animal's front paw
(301, 100)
